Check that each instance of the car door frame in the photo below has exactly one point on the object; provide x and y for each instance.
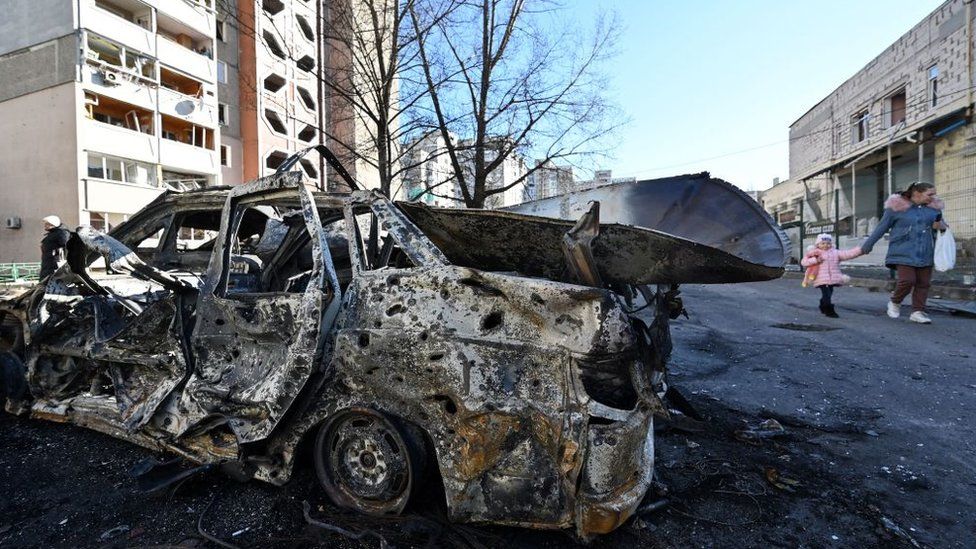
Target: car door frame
(215, 326)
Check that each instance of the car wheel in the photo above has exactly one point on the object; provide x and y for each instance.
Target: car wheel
(14, 393)
(368, 461)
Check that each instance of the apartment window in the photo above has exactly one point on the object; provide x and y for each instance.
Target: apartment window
(273, 83)
(306, 63)
(106, 53)
(275, 159)
(222, 114)
(306, 98)
(309, 168)
(105, 222)
(305, 27)
(273, 46)
(98, 221)
(117, 169)
(221, 72)
(859, 126)
(307, 134)
(221, 30)
(273, 7)
(896, 106)
(180, 82)
(275, 121)
(177, 129)
(225, 155)
(934, 85)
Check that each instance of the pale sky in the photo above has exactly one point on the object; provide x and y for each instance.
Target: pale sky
(714, 85)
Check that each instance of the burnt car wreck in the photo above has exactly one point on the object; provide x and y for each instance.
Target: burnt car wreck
(501, 350)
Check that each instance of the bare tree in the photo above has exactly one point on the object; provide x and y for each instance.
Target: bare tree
(512, 77)
(367, 47)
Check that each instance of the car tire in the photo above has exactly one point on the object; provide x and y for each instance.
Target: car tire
(14, 393)
(368, 461)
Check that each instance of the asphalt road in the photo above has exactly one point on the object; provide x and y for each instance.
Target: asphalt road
(871, 446)
(889, 403)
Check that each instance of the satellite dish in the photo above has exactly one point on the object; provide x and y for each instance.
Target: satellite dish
(185, 107)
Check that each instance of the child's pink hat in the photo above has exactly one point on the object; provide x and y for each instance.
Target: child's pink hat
(824, 237)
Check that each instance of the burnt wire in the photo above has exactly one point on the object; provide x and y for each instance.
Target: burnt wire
(212, 539)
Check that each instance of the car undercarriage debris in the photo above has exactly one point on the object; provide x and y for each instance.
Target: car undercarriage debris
(505, 352)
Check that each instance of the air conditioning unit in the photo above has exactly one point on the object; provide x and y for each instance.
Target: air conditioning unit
(13, 222)
(111, 78)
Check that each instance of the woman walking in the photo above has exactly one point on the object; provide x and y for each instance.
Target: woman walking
(910, 216)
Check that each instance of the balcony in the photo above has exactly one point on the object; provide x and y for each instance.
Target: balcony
(194, 14)
(110, 82)
(119, 141)
(118, 185)
(183, 156)
(183, 97)
(109, 196)
(195, 110)
(186, 60)
(133, 31)
(188, 147)
(192, 109)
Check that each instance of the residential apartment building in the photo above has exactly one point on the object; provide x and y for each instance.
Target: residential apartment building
(269, 77)
(905, 116)
(548, 179)
(103, 105)
(429, 175)
(601, 178)
(510, 175)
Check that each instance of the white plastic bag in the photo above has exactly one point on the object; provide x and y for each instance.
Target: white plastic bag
(945, 251)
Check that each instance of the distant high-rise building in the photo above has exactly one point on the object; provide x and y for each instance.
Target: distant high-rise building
(601, 178)
(548, 180)
(428, 174)
(510, 175)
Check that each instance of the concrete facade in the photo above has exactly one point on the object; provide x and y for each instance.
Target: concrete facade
(40, 188)
(229, 91)
(904, 117)
(273, 89)
(829, 133)
(103, 105)
(274, 59)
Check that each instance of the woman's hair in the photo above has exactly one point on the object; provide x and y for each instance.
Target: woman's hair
(917, 186)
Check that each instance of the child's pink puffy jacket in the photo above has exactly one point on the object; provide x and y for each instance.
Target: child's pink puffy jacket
(829, 261)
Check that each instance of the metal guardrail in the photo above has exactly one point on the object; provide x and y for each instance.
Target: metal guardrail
(14, 272)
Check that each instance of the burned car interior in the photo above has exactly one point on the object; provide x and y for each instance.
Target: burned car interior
(519, 357)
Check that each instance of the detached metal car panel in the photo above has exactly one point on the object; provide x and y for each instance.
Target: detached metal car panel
(240, 322)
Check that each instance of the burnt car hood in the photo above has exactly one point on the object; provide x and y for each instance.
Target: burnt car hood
(530, 245)
(685, 229)
(696, 207)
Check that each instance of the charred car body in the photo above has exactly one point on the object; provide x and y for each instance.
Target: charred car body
(396, 339)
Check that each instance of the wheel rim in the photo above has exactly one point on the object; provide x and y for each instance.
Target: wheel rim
(364, 463)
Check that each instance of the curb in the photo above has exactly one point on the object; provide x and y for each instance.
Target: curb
(937, 291)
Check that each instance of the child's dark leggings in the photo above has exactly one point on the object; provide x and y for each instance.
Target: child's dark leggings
(826, 292)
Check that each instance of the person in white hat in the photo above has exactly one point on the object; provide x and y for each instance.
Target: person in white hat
(826, 259)
(52, 245)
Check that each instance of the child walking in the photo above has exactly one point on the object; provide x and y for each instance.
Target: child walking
(825, 260)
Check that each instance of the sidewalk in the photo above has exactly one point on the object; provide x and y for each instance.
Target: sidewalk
(948, 285)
